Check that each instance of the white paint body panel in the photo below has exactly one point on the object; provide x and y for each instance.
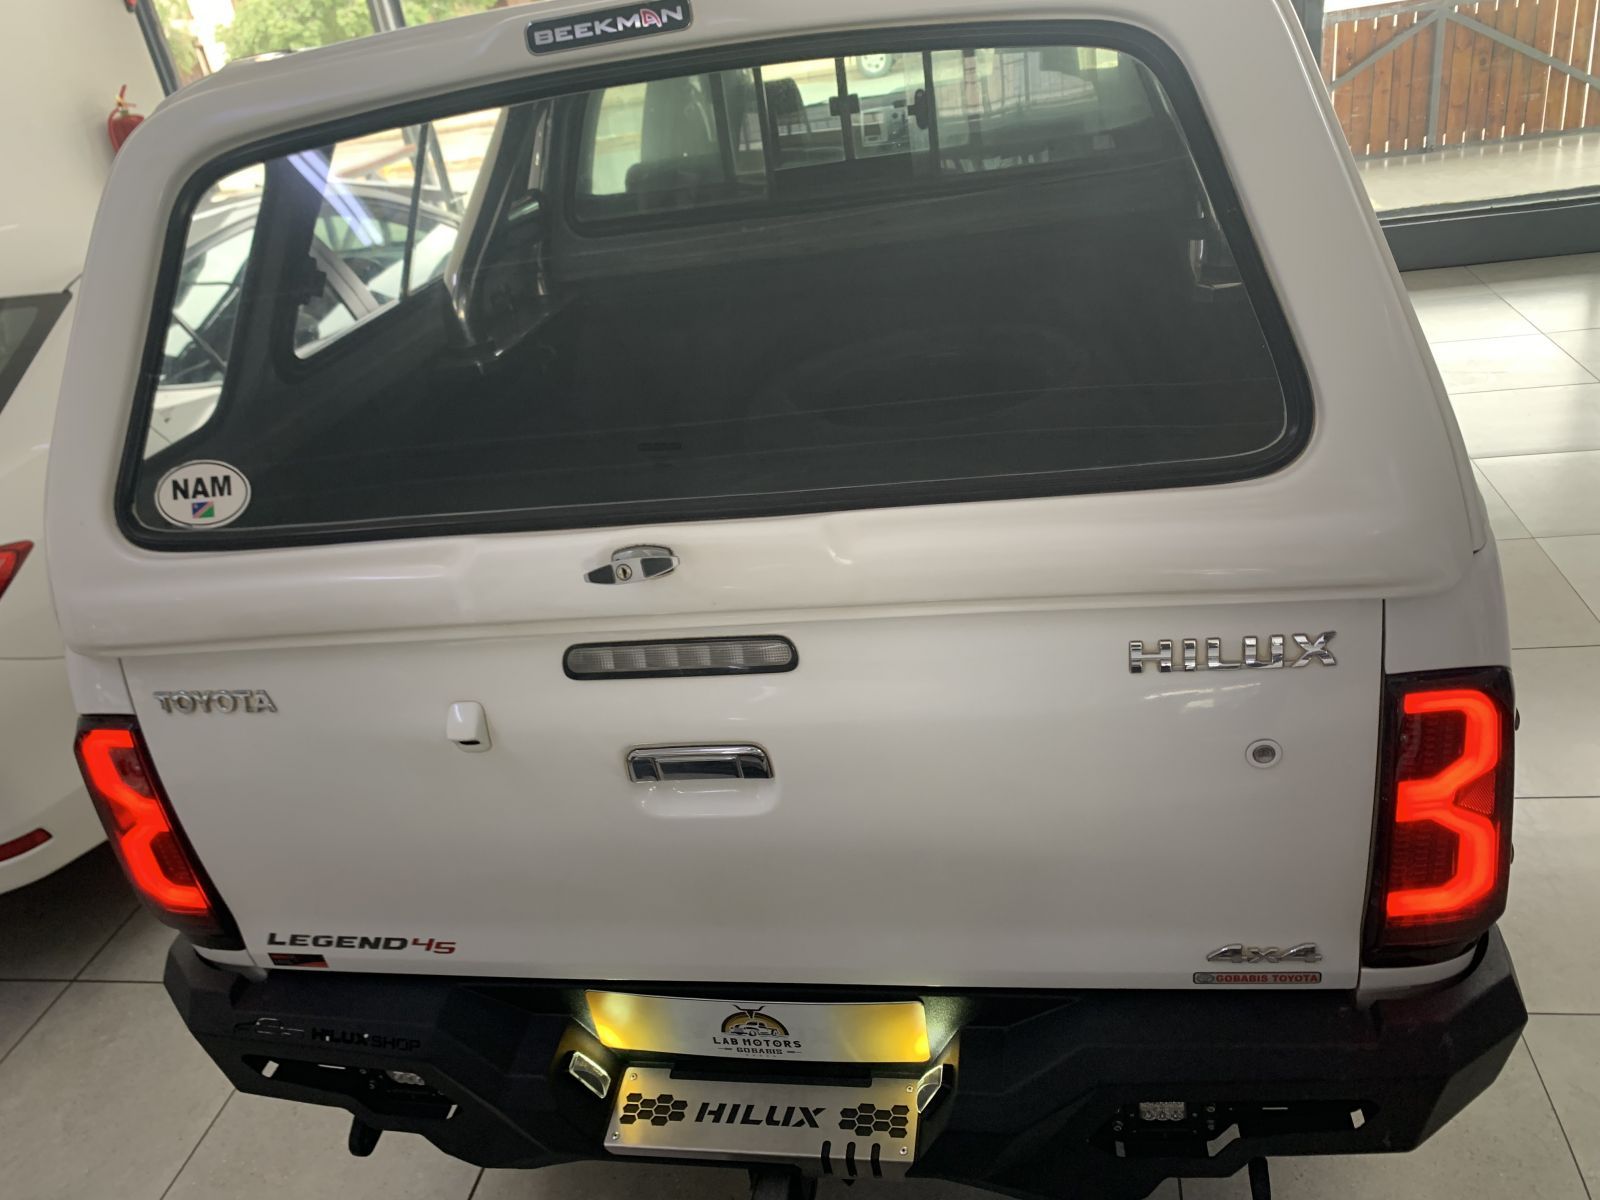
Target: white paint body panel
(974, 800)
(58, 146)
(971, 788)
(39, 783)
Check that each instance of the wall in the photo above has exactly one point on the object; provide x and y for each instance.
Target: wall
(61, 62)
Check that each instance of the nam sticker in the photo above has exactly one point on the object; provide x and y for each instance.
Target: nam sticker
(609, 25)
(203, 495)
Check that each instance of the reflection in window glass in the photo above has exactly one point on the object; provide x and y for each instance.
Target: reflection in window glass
(698, 141)
(881, 278)
(200, 333)
(618, 139)
(803, 100)
(673, 143)
(391, 209)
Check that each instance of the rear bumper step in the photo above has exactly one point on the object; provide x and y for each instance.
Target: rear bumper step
(1070, 1094)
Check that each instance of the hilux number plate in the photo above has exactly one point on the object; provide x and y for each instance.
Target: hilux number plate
(846, 1131)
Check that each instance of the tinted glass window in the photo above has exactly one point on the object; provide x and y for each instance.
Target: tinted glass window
(889, 277)
(24, 323)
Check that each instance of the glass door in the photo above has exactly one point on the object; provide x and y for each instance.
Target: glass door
(1452, 106)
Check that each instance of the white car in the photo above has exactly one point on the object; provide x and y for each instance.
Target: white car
(60, 157)
(964, 646)
(45, 818)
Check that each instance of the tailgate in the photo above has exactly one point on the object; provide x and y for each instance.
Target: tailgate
(977, 800)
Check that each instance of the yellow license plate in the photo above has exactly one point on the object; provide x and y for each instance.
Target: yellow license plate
(887, 1032)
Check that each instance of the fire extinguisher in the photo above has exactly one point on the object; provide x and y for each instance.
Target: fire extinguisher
(122, 121)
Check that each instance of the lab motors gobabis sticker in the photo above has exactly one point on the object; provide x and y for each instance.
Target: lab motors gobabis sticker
(203, 494)
(608, 25)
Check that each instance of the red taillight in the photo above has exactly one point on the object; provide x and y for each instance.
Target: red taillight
(139, 822)
(1444, 835)
(21, 845)
(11, 560)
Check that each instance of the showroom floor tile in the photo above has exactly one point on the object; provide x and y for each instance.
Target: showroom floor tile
(1558, 695)
(1502, 521)
(1555, 902)
(1556, 294)
(1554, 495)
(1583, 345)
(138, 951)
(52, 929)
(615, 1181)
(1454, 305)
(1568, 1050)
(103, 1093)
(1545, 609)
(1530, 420)
(107, 1095)
(1579, 560)
(1500, 363)
(1507, 1143)
(21, 1004)
(243, 1158)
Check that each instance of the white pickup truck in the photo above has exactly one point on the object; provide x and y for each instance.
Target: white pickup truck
(717, 605)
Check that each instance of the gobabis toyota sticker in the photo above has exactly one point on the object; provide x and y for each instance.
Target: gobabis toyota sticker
(202, 495)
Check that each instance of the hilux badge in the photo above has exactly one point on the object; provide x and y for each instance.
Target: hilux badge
(1310, 650)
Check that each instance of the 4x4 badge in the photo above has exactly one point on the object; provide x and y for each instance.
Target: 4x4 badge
(1238, 952)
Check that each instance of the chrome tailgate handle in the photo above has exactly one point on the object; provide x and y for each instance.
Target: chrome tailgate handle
(669, 764)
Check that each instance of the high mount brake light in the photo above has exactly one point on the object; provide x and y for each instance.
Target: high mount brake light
(12, 557)
(1443, 844)
(153, 852)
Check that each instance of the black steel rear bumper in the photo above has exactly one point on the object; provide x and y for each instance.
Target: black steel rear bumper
(1045, 1088)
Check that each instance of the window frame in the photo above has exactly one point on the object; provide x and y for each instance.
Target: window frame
(48, 307)
(1160, 59)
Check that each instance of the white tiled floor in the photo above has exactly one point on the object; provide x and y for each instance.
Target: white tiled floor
(104, 1095)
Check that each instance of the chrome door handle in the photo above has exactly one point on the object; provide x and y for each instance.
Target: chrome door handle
(633, 563)
(668, 764)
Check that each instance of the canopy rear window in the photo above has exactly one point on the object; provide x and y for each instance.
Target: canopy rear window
(920, 271)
